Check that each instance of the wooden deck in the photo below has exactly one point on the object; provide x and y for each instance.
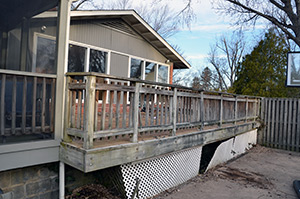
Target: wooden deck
(111, 120)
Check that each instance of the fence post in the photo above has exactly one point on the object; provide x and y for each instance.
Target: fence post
(202, 110)
(221, 111)
(235, 109)
(89, 109)
(136, 112)
(246, 116)
(174, 110)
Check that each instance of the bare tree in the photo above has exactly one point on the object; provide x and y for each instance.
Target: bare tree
(225, 56)
(284, 14)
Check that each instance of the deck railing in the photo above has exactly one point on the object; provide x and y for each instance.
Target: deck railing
(26, 106)
(103, 106)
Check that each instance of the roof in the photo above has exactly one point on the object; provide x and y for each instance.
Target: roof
(137, 23)
(13, 11)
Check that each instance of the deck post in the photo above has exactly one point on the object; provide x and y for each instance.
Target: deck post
(246, 117)
(89, 109)
(202, 111)
(221, 111)
(235, 110)
(62, 63)
(67, 118)
(136, 112)
(174, 110)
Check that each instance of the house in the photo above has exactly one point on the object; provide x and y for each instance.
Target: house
(72, 81)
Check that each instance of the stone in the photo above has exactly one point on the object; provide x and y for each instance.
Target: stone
(18, 192)
(30, 174)
(45, 186)
(54, 183)
(5, 179)
(44, 172)
(17, 177)
(32, 188)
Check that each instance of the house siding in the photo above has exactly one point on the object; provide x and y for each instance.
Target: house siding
(104, 37)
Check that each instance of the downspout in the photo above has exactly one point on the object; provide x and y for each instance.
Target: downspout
(61, 180)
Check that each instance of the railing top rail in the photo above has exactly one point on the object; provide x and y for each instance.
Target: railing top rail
(24, 73)
(102, 75)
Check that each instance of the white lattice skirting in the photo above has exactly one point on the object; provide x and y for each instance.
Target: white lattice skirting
(161, 173)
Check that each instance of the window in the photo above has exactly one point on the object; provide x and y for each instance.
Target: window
(150, 71)
(98, 61)
(76, 58)
(45, 56)
(162, 74)
(136, 68)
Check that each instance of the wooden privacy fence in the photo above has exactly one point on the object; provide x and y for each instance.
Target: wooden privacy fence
(27, 103)
(101, 106)
(281, 118)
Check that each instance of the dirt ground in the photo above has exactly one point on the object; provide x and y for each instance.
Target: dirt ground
(261, 173)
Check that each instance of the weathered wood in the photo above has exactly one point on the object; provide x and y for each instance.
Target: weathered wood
(111, 112)
(221, 110)
(247, 101)
(112, 87)
(174, 111)
(136, 113)
(100, 158)
(284, 137)
(152, 110)
(79, 110)
(276, 124)
(124, 109)
(269, 122)
(97, 93)
(67, 116)
(293, 132)
(75, 132)
(235, 110)
(156, 128)
(281, 123)
(202, 111)
(2, 113)
(272, 123)
(113, 132)
(13, 105)
(147, 90)
(89, 107)
(24, 103)
(289, 124)
(34, 104)
(147, 110)
(103, 111)
(118, 103)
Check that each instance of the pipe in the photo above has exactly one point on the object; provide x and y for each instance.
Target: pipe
(61, 180)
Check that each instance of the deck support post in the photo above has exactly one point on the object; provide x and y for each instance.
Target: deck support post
(136, 112)
(62, 64)
(246, 117)
(61, 180)
(89, 112)
(235, 110)
(174, 110)
(221, 111)
(202, 110)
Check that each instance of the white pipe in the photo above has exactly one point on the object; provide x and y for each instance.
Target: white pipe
(61, 180)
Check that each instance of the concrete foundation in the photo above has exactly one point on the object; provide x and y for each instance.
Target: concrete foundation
(233, 148)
